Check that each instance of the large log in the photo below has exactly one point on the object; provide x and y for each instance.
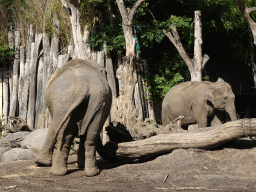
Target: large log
(201, 138)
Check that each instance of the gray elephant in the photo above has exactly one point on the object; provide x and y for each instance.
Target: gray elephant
(79, 100)
(199, 102)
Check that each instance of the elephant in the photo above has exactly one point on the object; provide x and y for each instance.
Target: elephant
(79, 99)
(199, 102)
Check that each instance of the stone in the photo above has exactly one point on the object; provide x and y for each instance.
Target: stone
(17, 154)
(35, 140)
(2, 151)
(13, 140)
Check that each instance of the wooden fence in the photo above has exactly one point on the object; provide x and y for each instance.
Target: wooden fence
(23, 84)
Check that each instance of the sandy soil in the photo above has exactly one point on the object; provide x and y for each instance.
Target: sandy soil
(231, 167)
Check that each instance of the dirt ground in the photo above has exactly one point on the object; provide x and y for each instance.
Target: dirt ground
(231, 167)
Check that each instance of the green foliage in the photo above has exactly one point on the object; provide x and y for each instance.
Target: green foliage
(169, 74)
(5, 52)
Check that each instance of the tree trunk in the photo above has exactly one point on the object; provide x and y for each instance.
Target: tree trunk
(25, 92)
(21, 81)
(14, 95)
(80, 48)
(206, 138)
(55, 47)
(197, 64)
(39, 119)
(33, 80)
(127, 73)
(111, 76)
(246, 12)
(138, 103)
(5, 97)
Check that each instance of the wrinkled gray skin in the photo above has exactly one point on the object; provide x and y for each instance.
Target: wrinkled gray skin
(79, 100)
(199, 102)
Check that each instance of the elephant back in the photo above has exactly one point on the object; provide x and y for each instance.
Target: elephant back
(76, 63)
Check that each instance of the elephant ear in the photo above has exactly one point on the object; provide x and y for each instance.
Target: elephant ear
(210, 96)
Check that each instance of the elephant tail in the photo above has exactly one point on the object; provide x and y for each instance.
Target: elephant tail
(68, 114)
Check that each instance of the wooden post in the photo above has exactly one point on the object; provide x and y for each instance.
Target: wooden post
(32, 89)
(14, 95)
(39, 117)
(46, 51)
(22, 77)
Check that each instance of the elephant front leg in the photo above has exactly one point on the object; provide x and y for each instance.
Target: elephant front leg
(200, 115)
(59, 165)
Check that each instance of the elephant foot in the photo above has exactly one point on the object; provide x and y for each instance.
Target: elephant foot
(89, 172)
(42, 161)
(59, 170)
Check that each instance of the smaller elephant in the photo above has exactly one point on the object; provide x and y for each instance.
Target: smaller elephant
(199, 102)
(79, 100)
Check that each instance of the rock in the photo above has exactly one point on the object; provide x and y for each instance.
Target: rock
(2, 151)
(18, 154)
(13, 140)
(35, 140)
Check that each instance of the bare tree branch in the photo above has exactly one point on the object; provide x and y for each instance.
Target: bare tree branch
(246, 12)
(135, 9)
(251, 9)
(123, 11)
(205, 59)
(175, 39)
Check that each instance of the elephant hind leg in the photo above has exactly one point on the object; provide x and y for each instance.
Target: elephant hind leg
(91, 140)
(64, 141)
(44, 158)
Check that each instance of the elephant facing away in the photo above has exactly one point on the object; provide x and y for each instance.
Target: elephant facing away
(79, 100)
(199, 102)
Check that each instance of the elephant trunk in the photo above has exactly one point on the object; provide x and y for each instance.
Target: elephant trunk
(231, 110)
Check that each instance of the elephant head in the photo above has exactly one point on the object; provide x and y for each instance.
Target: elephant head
(222, 98)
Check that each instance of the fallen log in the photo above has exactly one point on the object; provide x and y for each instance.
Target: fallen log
(205, 138)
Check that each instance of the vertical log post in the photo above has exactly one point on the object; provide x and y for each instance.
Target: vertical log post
(197, 64)
(22, 82)
(14, 96)
(33, 76)
(126, 72)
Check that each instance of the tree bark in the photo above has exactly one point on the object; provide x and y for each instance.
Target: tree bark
(5, 97)
(21, 81)
(111, 76)
(197, 64)
(206, 138)
(25, 92)
(39, 119)
(126, 72)
(33, 80)
(246, 12)
(14, 95)
(76, 28)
